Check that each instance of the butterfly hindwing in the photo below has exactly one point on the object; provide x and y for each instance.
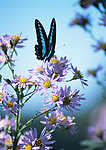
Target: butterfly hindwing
(51, 40)
(41, 48)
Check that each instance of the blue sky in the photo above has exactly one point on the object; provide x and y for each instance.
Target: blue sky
(19, 16)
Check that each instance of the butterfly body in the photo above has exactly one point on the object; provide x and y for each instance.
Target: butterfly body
(46, 45)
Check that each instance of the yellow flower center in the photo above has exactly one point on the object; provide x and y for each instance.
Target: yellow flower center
(16, 37)
(9, 104)
(8, 123)
(92, 72)
(55, 98)
(75, 21)
(98, 131)
(53, 120)
(63, 118)
(88, 1)
(28, 147)
(47, 84)
(1, 95)
(38, 142)
(103, 46)
(31, 82)
(23, 80)
(8, 142)
(39, 70)
(54, 61)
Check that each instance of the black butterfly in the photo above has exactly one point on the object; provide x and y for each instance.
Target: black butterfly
(46, 45)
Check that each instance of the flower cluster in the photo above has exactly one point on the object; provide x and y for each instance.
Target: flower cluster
(61, 99)
(8, 43)
(94, 72)
(101, 45)
(81, 20)
(47, 80)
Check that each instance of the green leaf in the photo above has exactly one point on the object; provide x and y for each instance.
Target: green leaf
(92, 144)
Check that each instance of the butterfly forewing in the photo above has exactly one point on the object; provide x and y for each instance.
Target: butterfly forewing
(51, 40)
(41, 48)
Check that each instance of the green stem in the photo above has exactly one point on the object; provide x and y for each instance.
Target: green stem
(35, 116)
(15, 142)
(2, 66)
(27, 99)
(69, 80)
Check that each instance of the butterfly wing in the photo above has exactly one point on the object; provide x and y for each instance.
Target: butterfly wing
(41, 48)
(51, 40)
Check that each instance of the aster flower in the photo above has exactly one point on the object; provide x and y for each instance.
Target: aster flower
(70, 99)
(58, 71)
(69, 124)
(38, 70)
(6, 141)
(103, 19)
(10, 104)
(101, 45)
(78, 75)
(86, 3)
(53, 120)
(15, 40)
(59, 67)
(62, 62)
(94, 72)
(22, 81)
(32, 142)
(6, 123)
(98, 132)
(3, 92)
(54, 98)
(46, 83)
(81, 20)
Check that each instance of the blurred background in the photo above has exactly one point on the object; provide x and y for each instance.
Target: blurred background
(71, 41)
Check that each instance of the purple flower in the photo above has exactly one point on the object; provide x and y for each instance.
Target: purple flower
(15, 40)
(62, 62)
(69, 124)
(32, 142)
(3, 92)
(70, 99)
(10, 104)
(101, 45)
(78, 75)
(81, 20)
(103, 19)
(86, 3)
(6, 141)
(94, 72)
(57, 67)
(5, 123)
(46, 83)
(53, 120)
(98, 132)
(38, 70)
(22, 81)
(54, 98)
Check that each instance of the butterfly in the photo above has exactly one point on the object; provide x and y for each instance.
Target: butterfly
(46, 44)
